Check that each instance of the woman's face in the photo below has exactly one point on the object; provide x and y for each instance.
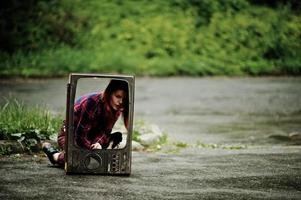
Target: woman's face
(117, 100)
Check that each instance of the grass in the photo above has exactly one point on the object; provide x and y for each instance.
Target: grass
(157, 146)
(30, 125)
(16, 119)
(5, 150)
(200, 144)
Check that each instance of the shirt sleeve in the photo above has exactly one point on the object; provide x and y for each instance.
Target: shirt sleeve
(84, 117)
(102, 139)
(103, 134)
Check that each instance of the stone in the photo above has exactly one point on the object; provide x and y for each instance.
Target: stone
(136, 146)
(10, 146)
(295, 136)
(156, 130)
(148, 139)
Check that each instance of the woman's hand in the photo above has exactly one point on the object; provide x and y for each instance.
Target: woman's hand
(96, 146)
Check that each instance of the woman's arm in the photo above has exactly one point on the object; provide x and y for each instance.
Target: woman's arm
(102, 139)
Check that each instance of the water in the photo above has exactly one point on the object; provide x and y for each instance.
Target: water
(209, 110)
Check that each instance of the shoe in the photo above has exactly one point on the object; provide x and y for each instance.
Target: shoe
(49, 151)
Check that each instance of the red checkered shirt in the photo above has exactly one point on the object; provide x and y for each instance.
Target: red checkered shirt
(91, 121)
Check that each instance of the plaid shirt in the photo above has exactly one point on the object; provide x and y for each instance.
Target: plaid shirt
(91, 121)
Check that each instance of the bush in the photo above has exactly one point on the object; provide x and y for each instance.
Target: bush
(162, 38)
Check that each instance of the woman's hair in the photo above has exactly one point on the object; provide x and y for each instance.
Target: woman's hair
(113, 86)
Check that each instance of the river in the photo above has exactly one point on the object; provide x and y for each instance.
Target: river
(215, 110)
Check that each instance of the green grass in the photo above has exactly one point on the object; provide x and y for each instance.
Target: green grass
(17, 119)
(157, 146)
(30, 125)
(200, 144)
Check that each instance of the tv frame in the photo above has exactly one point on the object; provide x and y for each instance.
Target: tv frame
(111, 161)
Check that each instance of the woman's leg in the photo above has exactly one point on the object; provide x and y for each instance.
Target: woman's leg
(50, 152)
(62, 136)
(116, 138)
(60, 157)
(53, 154)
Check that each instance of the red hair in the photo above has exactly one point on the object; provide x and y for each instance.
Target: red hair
(113, 86)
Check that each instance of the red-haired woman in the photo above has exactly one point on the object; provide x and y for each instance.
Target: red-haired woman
(94, 117)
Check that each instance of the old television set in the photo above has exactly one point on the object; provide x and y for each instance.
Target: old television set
(79, 160)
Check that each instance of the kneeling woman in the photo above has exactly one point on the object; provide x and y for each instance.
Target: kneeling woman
(94, 117)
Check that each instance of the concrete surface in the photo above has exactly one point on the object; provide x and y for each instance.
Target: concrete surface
(254, 173)
(224, 111)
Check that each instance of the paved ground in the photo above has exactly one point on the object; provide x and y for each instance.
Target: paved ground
(254, 173)
(211, 110)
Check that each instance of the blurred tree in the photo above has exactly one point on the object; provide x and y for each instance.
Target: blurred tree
(295, 5)
(14, 18)
(34, 24)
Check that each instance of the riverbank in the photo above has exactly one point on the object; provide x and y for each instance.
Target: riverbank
(217, 110)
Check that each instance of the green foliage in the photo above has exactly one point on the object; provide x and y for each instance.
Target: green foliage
(157, 146)
(18, 120)
(136, 135)
(30, 125)
(181, 145)
(200, 144)
(27, 125)
(161, 38)
(5, 150)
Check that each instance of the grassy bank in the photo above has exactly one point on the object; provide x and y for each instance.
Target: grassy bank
(160, 38)
(16, 120)
(28, 126)
(32, 125)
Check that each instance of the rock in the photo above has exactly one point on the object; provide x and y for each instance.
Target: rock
(148, 139)
(30, 145)
(295, 136)
(156, 130)
(136, 146)
(10, 146)
(280, 137)
(149, 134)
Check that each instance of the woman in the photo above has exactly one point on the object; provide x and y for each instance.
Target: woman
(94, 117)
